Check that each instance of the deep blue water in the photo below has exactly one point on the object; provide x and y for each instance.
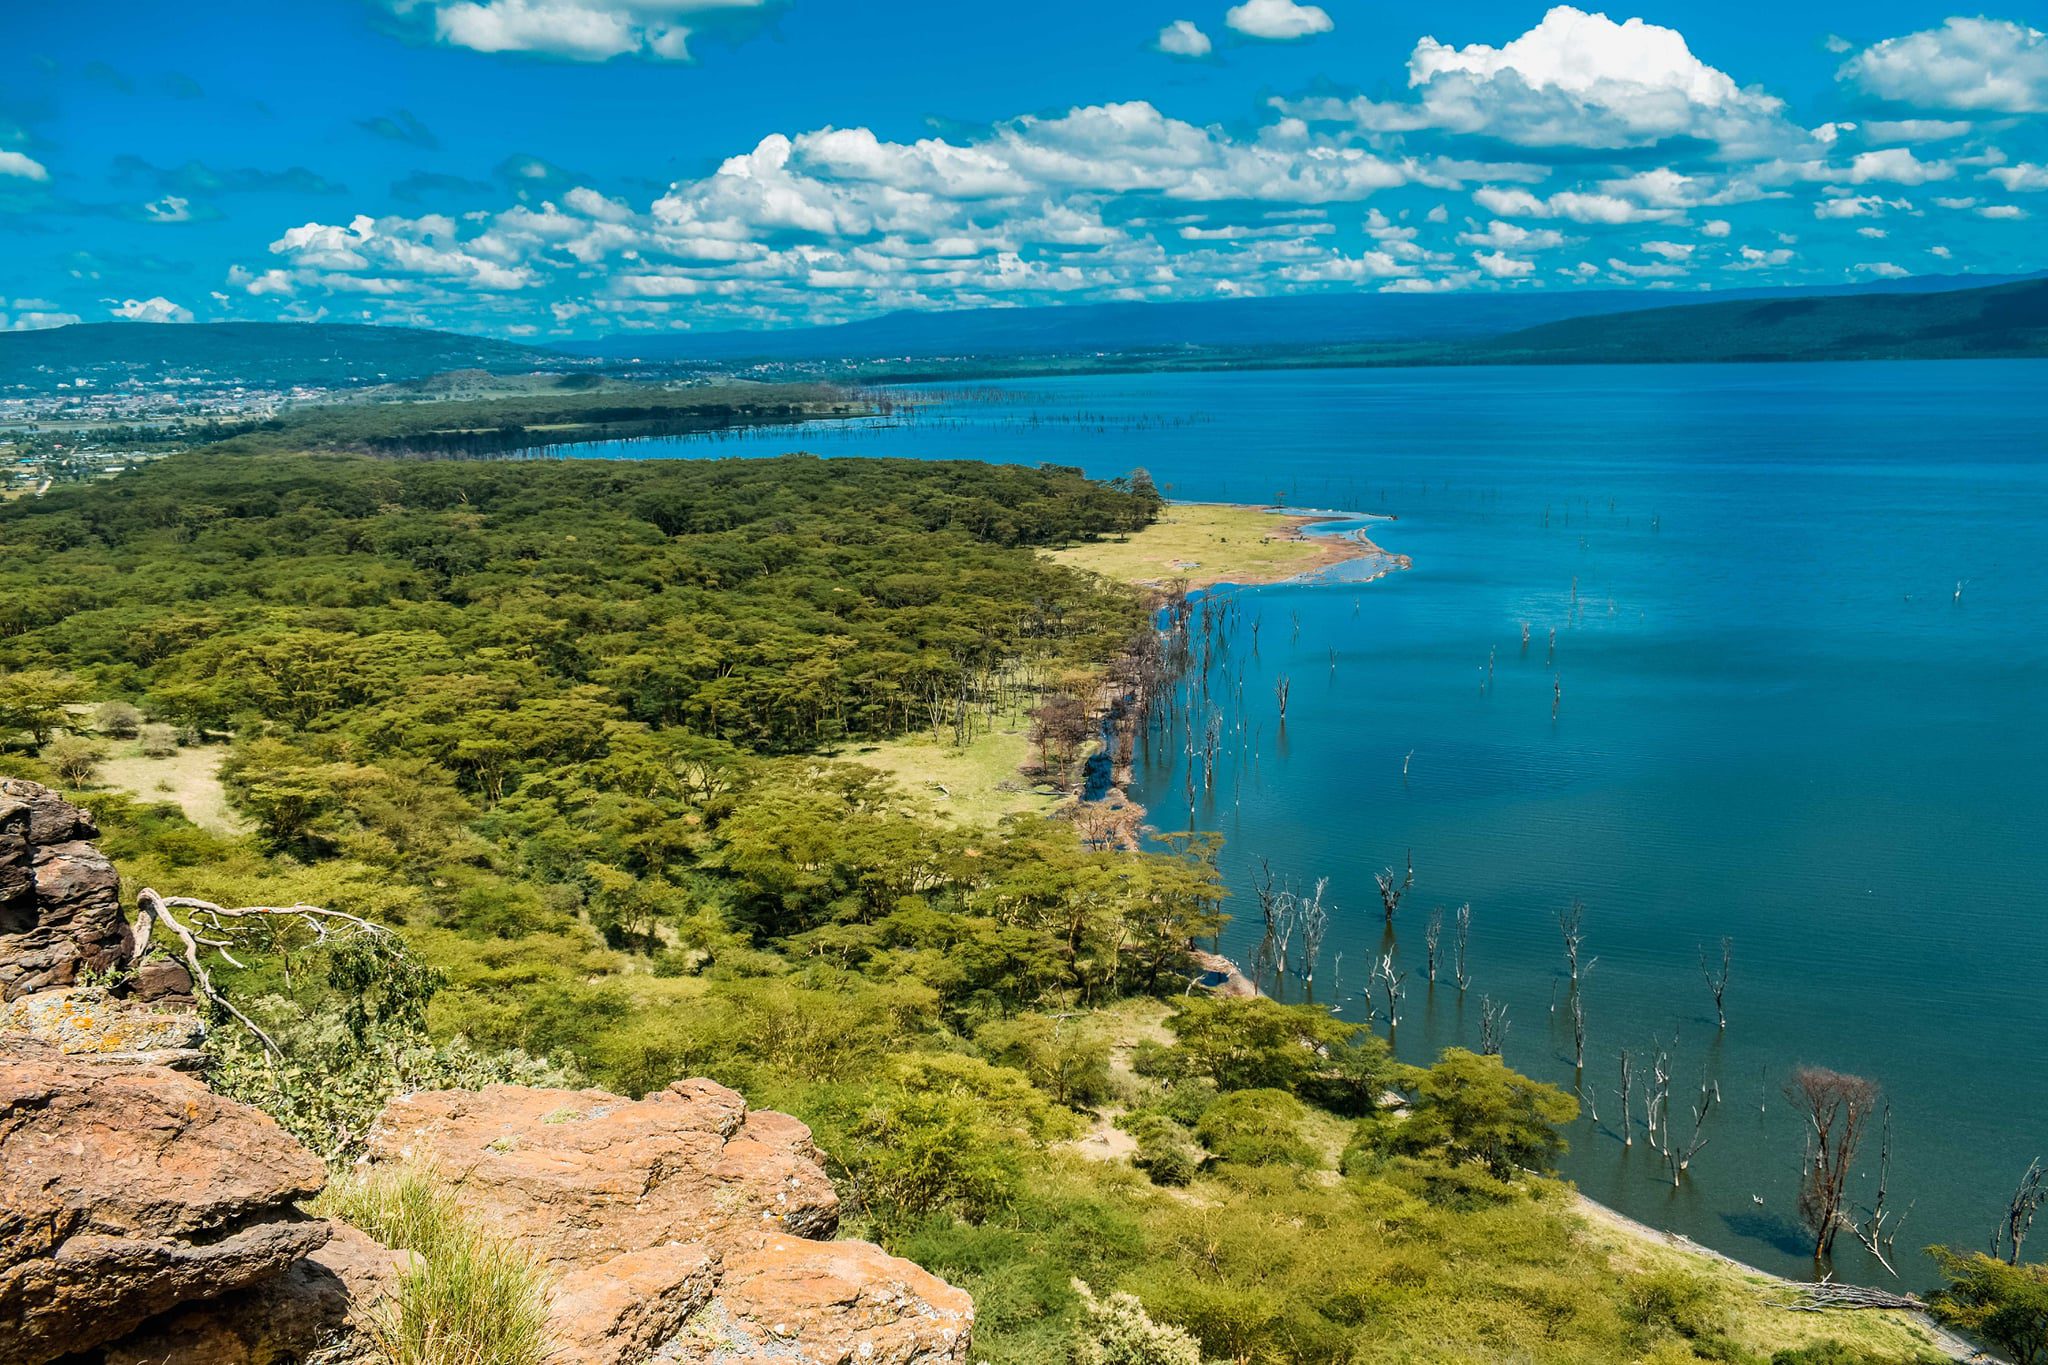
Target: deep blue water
(1778, 723)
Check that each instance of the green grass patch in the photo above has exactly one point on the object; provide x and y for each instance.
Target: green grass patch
(469, 1298)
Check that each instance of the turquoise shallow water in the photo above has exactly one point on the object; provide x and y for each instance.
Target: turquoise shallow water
(1778, 723)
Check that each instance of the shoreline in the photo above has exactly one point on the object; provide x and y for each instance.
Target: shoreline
(1232, 983)
(1196, 546)
(1332, 548)
(1599, 1214)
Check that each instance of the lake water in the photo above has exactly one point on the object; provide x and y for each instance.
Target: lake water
(1778, 722)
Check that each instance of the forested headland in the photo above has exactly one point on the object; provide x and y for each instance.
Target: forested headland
(581, 409)
(560, 725)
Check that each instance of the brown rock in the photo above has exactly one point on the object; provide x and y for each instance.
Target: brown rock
(677, 1227)
(162, 981)
(319, 1311)
(87, 1021)
(126, 1190)
(60, 899)
(583, 1175)
(837, 1303)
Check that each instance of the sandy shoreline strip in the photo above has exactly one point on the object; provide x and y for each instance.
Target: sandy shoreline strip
(1199, 545)
(1331, 548)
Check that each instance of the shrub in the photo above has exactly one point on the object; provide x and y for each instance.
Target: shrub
(116, 718)
(1256, 1128)
(1066, 1058)
(469, 1299)
(2006, 1305)
(949, 1136)
(1262, 1044)
(1472, 1107)
(1676, 1301)
(1833, 1353)
(76, 761)
(159, 741)
(1167, 1152)
(1117, 1331)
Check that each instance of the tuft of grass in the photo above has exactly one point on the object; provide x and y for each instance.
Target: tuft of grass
(470, 1298)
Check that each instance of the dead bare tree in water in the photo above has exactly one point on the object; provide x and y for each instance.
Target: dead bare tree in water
(1280, 690)
(1315, 923)
(1464, 944)
(1678, 1156)
(1717, 981)
(1390, 895)
(2011, 1233)
(1269, 911)
(1836, 1108)
(1578, 1032)
(1433, 940)
(1392, 984)
(1628, 1085)
(1878, 1232)
(1657, 1102)
(1493, 1026)
(1571, 922)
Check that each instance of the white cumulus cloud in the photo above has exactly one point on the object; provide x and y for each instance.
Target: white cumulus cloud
(580, 30)
(1897, 166)
(1577, 206)
(2023, 178)
(1989, 65)
(1579, 79)
(158, 309)
(22, 165)
(1182, 39)
(1278, 20)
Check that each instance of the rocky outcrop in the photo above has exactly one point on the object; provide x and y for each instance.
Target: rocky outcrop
(60, 900)
(317, 1311)
(60, 905)
(92, 1022)
(127, 1190)
(682, 1226)
(146, 1220)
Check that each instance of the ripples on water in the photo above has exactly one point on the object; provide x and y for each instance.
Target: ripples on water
(1785, 728)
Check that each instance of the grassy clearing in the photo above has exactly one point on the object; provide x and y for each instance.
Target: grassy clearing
(976, 785)
(469, 1298)
(1210, 543)
(190, 778)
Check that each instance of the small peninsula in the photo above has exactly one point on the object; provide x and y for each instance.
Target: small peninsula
(1201, 544)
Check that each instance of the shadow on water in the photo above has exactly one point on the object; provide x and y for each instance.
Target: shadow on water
(1779, 1233)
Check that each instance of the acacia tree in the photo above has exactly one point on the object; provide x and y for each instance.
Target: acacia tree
(1836, 1109)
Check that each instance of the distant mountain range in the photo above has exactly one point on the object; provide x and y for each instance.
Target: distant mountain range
(1929, 318)
(266, 354)
(1235, 325)
(2004, 320)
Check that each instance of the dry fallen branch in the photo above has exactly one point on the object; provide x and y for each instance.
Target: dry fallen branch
(1822, 1295)
(214, 927)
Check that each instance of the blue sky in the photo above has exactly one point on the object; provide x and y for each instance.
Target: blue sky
(537, 168)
